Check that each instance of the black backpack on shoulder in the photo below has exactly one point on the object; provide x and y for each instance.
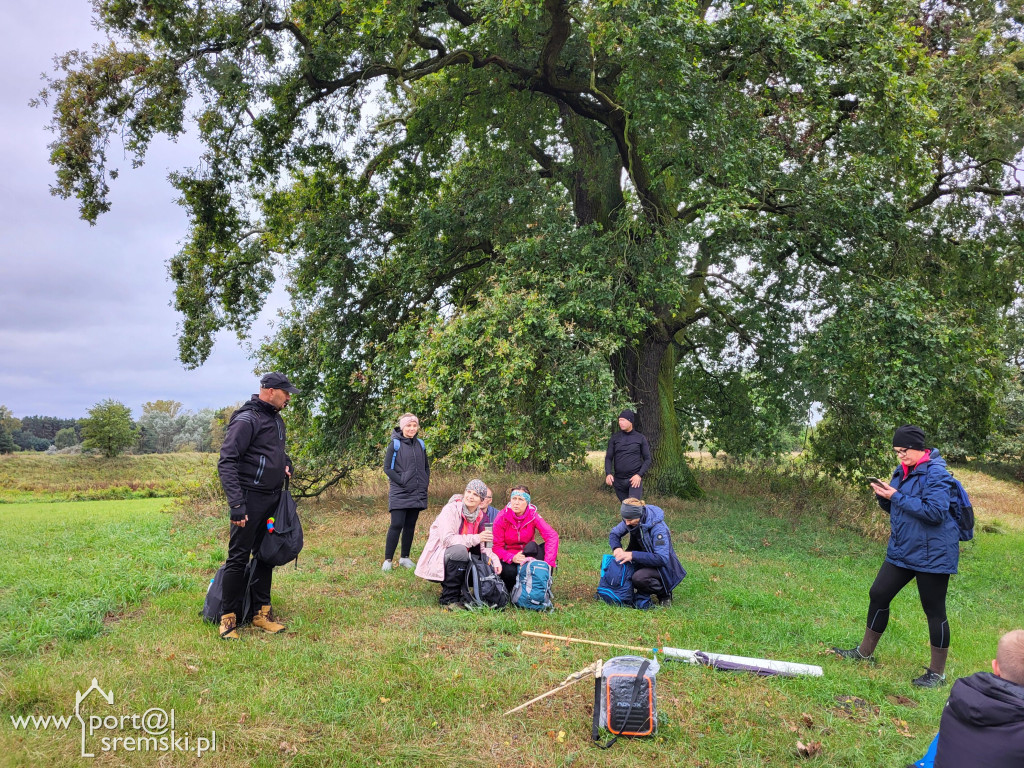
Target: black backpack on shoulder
(482, 587)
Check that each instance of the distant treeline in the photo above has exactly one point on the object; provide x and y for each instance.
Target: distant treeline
(164, 427)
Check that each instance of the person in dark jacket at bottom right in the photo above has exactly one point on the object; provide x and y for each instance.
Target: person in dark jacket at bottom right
(983, 721)
(924, 545)
(656, 569)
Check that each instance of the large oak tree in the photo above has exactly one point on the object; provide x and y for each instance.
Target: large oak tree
(540, 200)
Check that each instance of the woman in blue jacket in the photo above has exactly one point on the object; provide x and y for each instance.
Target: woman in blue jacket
(924, 545)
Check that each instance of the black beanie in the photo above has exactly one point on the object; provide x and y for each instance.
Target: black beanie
(909, 436)
(628, 415)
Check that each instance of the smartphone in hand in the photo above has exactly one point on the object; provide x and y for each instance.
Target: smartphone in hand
(876, 480)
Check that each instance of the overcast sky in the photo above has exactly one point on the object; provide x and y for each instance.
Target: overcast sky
(85, 310)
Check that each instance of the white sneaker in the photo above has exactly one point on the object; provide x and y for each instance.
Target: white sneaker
(387, 566)
(405, 562)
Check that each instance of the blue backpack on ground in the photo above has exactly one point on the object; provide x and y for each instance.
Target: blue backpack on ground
(396, 445)
(533, 586)
(616, 584)
(962, 510)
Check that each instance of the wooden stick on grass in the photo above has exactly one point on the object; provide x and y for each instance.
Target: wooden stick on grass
(594, 668)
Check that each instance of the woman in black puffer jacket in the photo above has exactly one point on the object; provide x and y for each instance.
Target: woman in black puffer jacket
(408, 469)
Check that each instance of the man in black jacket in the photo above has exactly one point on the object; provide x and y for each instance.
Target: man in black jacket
(627, 459)
(983, 721)
(253, 467)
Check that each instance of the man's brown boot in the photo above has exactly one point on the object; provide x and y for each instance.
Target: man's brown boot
(228, 624)
(263, 621)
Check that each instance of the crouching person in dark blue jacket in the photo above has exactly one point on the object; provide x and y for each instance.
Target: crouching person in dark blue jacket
(983, 721)
(656, 569)
(924, 545)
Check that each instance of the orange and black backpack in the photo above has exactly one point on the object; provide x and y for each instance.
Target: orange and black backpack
(624, 699)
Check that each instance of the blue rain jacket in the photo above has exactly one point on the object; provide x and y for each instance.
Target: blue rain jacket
(924, 536)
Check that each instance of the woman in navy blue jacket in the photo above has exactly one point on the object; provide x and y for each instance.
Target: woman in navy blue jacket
(924, 545)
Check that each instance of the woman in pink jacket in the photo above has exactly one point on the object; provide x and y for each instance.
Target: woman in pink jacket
(514, 532)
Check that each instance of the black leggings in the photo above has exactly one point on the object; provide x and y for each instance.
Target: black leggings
(931, 587)
(403, 521)
(509, 571)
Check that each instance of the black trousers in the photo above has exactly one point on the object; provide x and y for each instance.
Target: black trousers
(403, 521)
(244, 542)
(509, 571)
(456, 562)
(931, 588)
(647, 581)
(624, 490)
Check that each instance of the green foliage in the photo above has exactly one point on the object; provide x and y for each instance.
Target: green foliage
(6, 441)
(65, 438)
(711, 180)
(47, 427)
(8, 420)
(26, 441)
(895, 354)
(108, 428)
(510, 383)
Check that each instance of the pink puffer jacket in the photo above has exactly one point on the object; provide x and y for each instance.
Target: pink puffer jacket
(512, 533)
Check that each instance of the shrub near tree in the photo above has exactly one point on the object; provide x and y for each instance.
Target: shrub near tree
(65, 438)
(108, 428)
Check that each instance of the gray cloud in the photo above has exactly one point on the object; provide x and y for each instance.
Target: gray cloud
(84, 311)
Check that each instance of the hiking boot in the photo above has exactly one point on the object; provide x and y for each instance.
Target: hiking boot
(228, 625)
(387, 566)
(665, 602)
(853, 654)
(929, 679)
(263, 621)
(405, 562)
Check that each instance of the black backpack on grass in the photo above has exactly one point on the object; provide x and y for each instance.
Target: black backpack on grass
(482, 587)
(213, 606)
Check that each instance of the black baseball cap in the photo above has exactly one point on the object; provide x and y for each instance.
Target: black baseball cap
(275, 380)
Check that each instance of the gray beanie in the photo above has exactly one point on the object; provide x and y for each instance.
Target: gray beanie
(631, 511)
(478, 487)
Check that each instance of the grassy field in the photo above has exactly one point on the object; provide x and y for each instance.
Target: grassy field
(372, 673)
(31, 476)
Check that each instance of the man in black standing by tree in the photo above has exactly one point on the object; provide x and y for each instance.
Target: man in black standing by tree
(252, 468)
(627, 459)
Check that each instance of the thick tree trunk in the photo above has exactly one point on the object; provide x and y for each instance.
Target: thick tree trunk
(647, 374)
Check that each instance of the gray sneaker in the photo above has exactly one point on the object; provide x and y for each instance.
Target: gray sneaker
(929, 679)
(387, 566)
(405, 562)
(853, 654)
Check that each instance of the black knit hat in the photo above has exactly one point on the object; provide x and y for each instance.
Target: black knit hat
(628, 415)
(909, 436)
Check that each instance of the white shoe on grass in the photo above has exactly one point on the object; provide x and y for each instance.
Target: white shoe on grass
(387, 566)
(405, 562)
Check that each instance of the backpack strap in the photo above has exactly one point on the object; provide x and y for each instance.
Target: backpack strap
(396, 445)
(637, 682)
